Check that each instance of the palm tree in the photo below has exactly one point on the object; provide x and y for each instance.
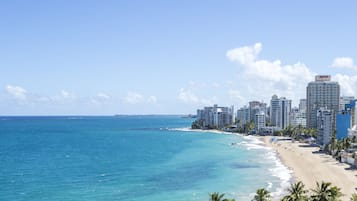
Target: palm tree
(262, 195)
(216, 197)
(346, 143)
(354, 197)
(297, 192)
(324, 192)
(354, 139)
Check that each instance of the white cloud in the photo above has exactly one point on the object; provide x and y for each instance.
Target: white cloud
(343, 62)
(348, 84)
(189, 97)
(237, 96)
(259, 78)
(133, 98)
(244, 55)
(64, 95)
(103, 96)
(152, 99)
(16, 91)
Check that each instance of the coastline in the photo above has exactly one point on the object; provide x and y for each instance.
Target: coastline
(310, 166)
(280, 169)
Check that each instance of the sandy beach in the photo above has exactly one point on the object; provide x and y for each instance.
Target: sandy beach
(309, 165)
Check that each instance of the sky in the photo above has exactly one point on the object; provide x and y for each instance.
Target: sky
(169, 57)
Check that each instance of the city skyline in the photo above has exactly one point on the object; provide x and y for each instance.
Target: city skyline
(105, 58)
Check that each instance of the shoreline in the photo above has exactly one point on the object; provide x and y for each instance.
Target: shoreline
(284, 182)
(310, 166)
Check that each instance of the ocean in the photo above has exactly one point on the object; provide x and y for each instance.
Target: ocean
(131, 158)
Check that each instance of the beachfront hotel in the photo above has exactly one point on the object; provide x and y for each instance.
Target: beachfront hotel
(321, 93)
(215, 117)
(280, 109)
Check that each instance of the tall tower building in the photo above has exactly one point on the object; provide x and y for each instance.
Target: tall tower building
(280, 109)
(274, 110)
(322, 93)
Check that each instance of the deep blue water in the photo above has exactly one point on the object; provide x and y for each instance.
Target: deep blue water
(128, 158)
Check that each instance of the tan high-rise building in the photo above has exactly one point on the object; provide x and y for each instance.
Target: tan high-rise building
(322, 93)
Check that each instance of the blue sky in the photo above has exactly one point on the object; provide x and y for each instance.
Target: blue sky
(168, 57)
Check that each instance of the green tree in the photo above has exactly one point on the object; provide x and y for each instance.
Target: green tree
(262, 195)
(354, 197)
(354, 139)
(296, 192)
(218, 197)
(325, 192)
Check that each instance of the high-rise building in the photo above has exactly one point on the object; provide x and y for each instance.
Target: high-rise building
(297, 117)
(345, 100)
(256, 107)
(321, 93)
(259, 120)
(215, 117)
(274, 110)
(324, 126)
(243, 116)
(280, 111)
(302, 105)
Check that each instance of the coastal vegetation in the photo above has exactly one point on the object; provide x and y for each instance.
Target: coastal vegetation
(323, 191)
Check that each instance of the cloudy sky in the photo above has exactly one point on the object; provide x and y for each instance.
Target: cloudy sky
(168, 57)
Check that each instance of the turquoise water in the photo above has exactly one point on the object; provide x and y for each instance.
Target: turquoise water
(130, 158)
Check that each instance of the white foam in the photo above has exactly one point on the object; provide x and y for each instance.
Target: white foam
(252, 142)
(280, 171)
(186, 129)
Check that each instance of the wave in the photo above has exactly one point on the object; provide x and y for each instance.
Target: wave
(278, 169)
(282, 172)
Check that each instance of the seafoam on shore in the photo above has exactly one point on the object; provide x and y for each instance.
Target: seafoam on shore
(276, 167)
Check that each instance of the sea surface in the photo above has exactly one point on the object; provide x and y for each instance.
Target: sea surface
(130, 158)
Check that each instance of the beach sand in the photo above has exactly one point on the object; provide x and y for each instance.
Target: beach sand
(309, 166)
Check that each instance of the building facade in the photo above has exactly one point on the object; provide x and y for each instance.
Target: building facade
(280, 109)
(243, 116)
(259, 121)
(215, 117)
(256, 107)
(324, 126)
(321, 93)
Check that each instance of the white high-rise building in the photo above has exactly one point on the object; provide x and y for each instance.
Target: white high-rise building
(324, 126)
(302, 105)
(274, 110)
(322, 93)
(345, 100)
(280, 109)
(243, 116)
(256, 107)
(297, 117)
(259, 120)
(215, 116)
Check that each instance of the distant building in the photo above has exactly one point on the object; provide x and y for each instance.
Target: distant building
(243, 116)
(259, 120)
(324, 126)
(297, 117)
(215, 117)
(302, 105)
(322, 93)
(351, 109)
(280, 111)
(256, 107)
(345, 100)
(343, 123)
(345, 119)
